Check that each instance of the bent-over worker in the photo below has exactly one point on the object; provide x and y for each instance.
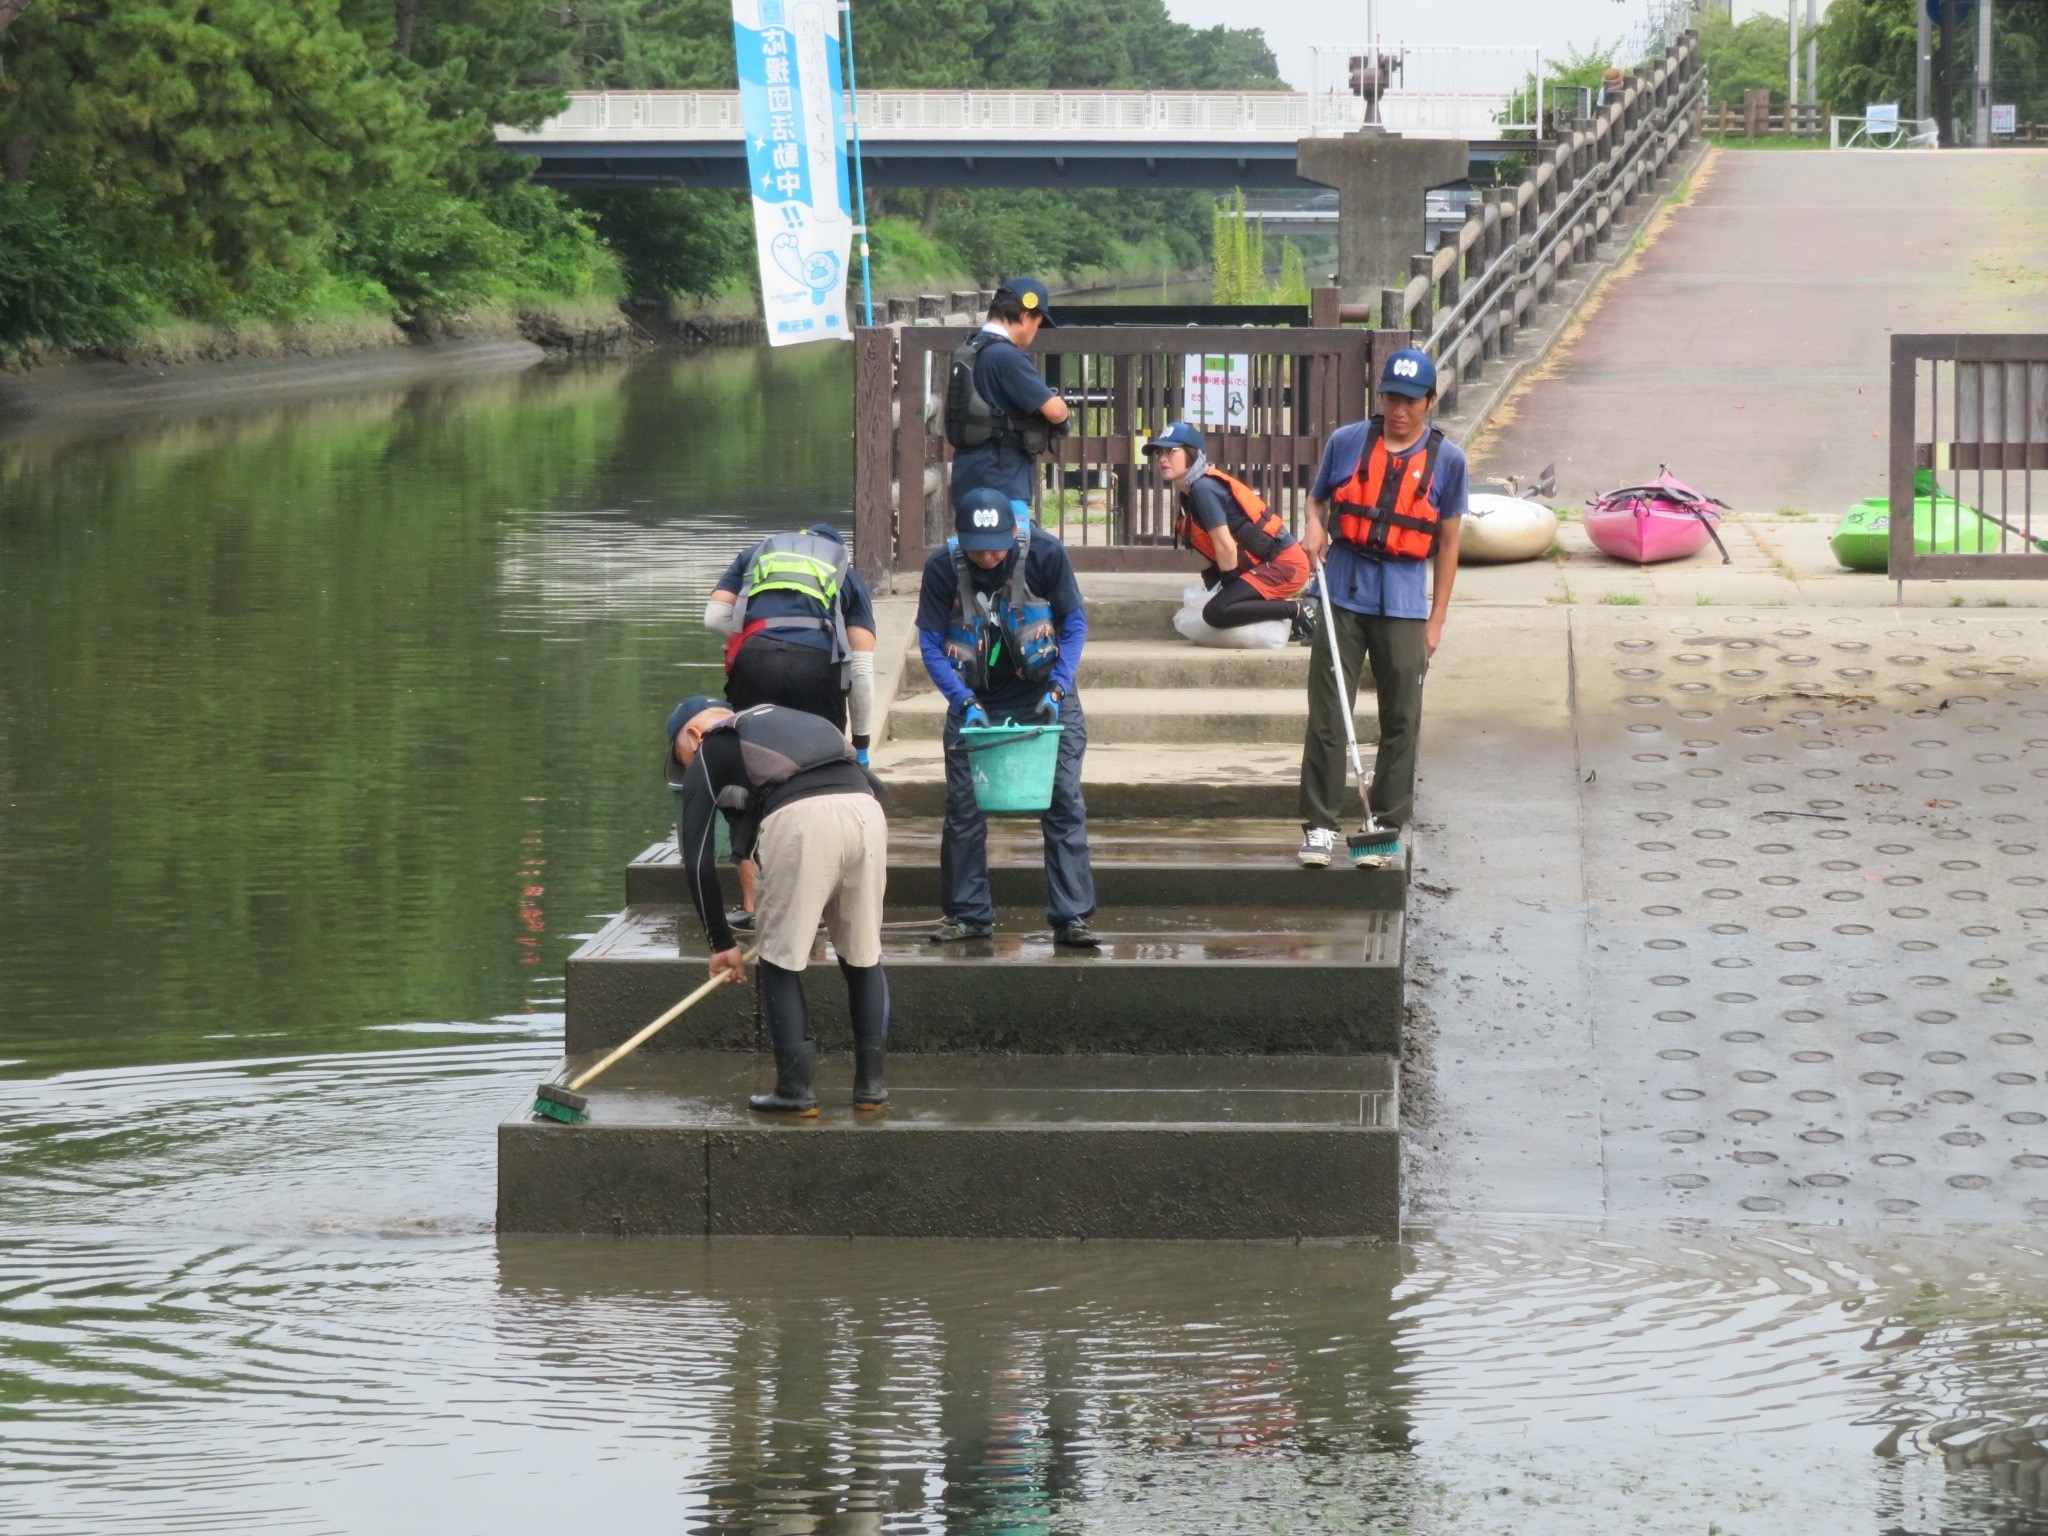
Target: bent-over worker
(810, 816)
(1394, 488)
(1256, 568)
(800, 629)
(1000, 628)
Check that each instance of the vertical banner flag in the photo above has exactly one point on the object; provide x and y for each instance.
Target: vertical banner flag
(795, 118)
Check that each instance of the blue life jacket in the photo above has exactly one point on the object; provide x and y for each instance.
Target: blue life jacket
(1015, 617)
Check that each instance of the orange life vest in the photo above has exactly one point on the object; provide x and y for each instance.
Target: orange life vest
(1265, 536)
(1385, 515)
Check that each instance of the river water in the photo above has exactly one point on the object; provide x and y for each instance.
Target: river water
(324, 731)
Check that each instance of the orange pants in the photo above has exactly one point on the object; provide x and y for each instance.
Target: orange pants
(1282, 576)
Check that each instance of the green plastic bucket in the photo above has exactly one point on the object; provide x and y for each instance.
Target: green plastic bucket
(1012, 765)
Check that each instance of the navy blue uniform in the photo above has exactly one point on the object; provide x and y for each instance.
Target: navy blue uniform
(963, 849)
(1008, 381)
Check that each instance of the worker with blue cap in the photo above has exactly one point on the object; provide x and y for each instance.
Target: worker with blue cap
(1000, 628)
(1000, 413)
(1383, 521)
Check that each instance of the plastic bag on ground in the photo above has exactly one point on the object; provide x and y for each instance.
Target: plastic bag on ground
(1268, 635)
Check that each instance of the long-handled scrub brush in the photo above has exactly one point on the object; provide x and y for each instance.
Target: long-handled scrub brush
(564, 1101)
(1372, 844)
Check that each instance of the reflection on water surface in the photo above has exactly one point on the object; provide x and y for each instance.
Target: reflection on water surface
(323, 734)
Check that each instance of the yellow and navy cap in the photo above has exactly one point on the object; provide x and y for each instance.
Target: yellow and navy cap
(1032, 294)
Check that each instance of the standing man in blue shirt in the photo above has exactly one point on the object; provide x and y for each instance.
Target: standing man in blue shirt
(1000, 628)
(1383, 511)
(1000, 413)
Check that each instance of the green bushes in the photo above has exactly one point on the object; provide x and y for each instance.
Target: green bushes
(54, 285)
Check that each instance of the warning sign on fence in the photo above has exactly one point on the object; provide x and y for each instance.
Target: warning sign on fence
(1218, 390)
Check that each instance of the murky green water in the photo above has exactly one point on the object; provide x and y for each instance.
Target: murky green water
(323, 733)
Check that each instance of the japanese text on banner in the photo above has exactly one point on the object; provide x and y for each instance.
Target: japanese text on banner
(795, 118)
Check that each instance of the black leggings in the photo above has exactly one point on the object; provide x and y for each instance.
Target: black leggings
(1237, 603)
(867, 997)
(786, 672)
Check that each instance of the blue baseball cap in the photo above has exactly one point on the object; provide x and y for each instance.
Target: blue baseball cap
(825, 531)
(1032, 294)
(1409, 372)
(1179, 435)
(984, 521)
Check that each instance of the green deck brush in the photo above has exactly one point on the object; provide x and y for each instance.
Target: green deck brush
(1372, 845)
(561, 1101)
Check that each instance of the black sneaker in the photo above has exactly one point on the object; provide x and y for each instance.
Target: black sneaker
(952, 931)
(1307, 615)
(1076, 935)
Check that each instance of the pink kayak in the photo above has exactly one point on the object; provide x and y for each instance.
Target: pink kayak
(1664, 520)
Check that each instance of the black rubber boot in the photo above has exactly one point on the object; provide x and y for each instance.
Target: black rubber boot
(789, 1033)
(867, 997)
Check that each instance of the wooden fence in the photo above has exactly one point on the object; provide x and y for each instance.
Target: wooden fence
(1284, 390)
(1972, 413)
(1467, 298)
(1757, 116)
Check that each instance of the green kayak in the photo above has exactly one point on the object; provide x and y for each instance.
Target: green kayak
(1941, 526)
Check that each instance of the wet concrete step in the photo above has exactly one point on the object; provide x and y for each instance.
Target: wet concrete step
(1017, 1146)
(1219, 981)
(1170, 663)
(1228, 718)
(1132, 780)
(1224, 861)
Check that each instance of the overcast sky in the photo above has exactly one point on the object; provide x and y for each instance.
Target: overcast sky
(1292, 26)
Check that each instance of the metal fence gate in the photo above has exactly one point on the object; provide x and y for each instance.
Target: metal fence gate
(1969, 435)
(1264, 399)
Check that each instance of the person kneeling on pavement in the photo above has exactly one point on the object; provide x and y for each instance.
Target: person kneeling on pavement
(810, 816)
(1255, 565)
(1000, 628)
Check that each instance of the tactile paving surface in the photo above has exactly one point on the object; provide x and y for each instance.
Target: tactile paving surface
(1817, 855)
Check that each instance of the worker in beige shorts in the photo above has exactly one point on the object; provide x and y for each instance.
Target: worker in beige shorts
(810, 815)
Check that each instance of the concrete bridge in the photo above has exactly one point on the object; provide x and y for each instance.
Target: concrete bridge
(1205, 139)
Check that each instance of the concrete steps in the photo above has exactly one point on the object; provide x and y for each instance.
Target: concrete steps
(1147, 780)
(1167, 981)
(1017, 1146)
(1226, 719)
(1138, 862)
(1158, 664)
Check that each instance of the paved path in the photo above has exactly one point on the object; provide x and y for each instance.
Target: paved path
(1734, 913)
(1748, 347)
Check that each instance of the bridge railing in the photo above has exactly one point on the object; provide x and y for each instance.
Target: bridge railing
(1969, 443)
(1265, 400)
(1251, 116)
(1467, 298)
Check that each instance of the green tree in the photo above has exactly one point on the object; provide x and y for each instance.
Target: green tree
(1867, 47)
(241, 127)
(1746, 55)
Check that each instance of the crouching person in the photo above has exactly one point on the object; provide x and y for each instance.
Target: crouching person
(810, 817)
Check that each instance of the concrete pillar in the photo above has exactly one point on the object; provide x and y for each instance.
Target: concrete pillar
(1380, 179)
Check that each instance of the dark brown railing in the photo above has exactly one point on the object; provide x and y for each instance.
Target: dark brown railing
(1971, 412)
(1096, 491)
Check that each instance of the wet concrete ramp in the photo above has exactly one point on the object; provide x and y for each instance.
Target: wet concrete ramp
(1778, 947)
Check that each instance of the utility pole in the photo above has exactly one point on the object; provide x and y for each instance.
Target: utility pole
(1945, 76)
(1791, 59)
(1813, 53)
(1923, 60)
(1982, 138)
